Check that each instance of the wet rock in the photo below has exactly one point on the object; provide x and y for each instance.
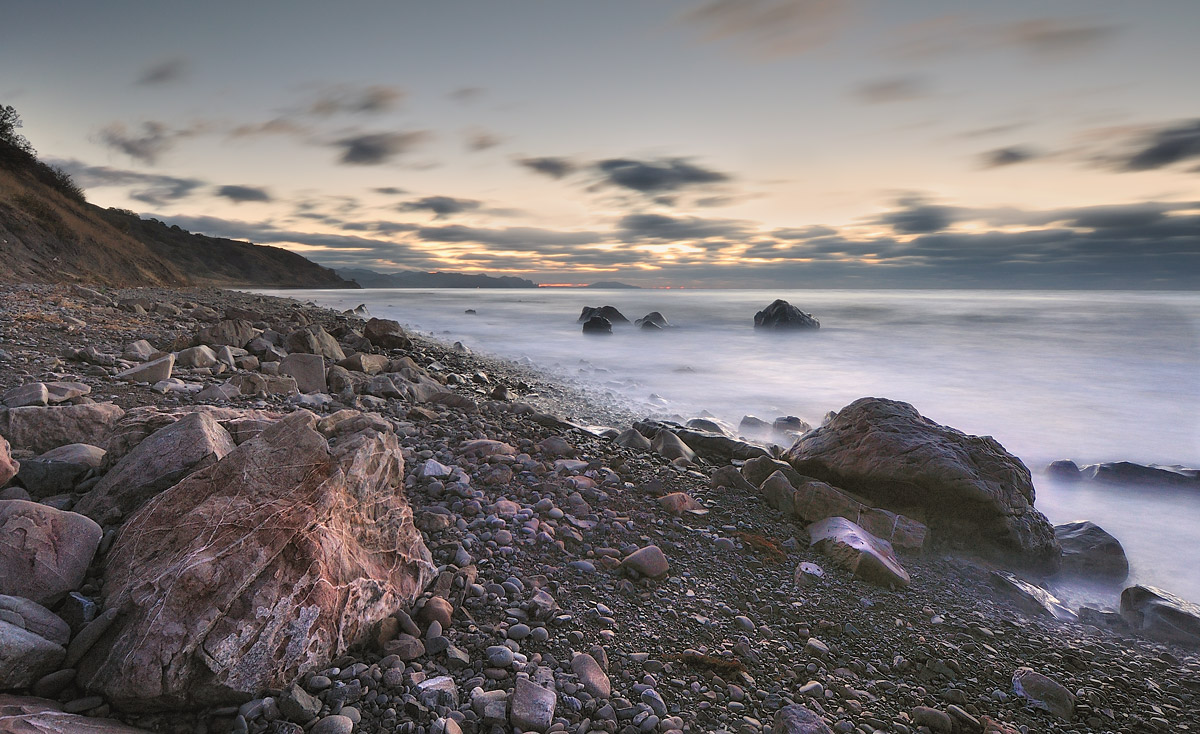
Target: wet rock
(937, 721)
(300, 540)
(151, 372)
(1044, 692)
(970, 490)
(41, 429)
(1089, 551)
(781, 315)
(797, 719)
(1160, 615)
(672, 447)
(857, 551)
(188, 445)
(649, 561)
(44, 552)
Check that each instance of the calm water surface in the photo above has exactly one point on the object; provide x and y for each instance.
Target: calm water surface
(1089, 376)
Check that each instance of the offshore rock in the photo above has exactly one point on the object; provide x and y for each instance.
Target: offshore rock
(260, 568)
(610, 313)
(597, 325)
(968, 489)
(782, 315)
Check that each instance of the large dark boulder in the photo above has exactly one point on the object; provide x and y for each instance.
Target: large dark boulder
(609, 312)
(969, 491)
(1161, 616)
(386, 334)
(783, 315)
(597, 325)
(1089, 551)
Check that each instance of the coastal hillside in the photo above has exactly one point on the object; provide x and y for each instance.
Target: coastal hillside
(49, 233)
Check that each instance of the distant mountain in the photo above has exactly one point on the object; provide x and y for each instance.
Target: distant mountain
(49, 233)
(418, 279)
(612, 284)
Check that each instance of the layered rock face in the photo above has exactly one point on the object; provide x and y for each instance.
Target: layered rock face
(969, 490)
(257, 569)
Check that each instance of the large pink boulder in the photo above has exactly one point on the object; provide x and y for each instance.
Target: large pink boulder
(257, 569)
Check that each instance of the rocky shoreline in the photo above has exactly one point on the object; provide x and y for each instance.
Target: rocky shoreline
(272, 517)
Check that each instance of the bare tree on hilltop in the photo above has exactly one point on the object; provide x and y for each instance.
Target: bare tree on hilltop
(18, 153)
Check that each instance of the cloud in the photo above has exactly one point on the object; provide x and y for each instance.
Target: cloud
(164, 72)
(917, 216)
(1008, 156)
(892, 89)
(552, 166)
(441, 206)
(655, 177)
(239, 194)
(390, 190)
(467, 94)
(1043, 39)
(1053, 38)
(1165, 146)
(372, 149)
(508, 237)
(770, 29)
(478, 140)
(352, 99)
(146, 143)
(276, 126)
(634, 227)
(149, 188)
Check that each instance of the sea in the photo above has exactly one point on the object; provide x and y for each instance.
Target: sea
(1090, 376)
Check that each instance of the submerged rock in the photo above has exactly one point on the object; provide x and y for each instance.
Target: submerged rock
(1124, 472)
(783, 315)
(1160, 615)
(261, 567)
(970, 491)
(857, 551)
(1089, 551)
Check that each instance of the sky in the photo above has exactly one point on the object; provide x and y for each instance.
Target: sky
(706, 143)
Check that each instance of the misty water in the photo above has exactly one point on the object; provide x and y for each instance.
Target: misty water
(1087, 376)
